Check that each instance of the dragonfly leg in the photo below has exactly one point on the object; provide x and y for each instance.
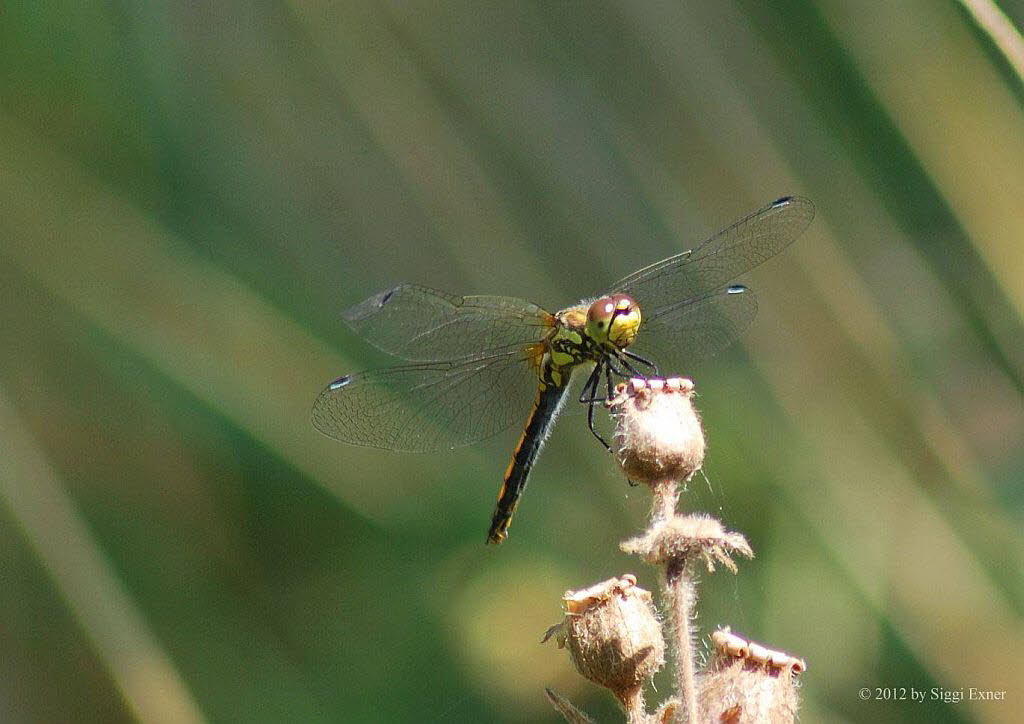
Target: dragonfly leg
(611, 393)
(590, 424)
(591, 385)
(589, 391)
(631, 369)
(612, 369)
(641, 360)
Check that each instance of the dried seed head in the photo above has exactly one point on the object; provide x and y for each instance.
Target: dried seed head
(745, 681)
(657, 431)
(613, 635)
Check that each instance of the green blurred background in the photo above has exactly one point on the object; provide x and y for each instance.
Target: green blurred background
(189, 196)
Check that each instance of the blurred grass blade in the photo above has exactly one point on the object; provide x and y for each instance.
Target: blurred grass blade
(972, 151)
(198, 325)
(1000, 29)
(143, 672)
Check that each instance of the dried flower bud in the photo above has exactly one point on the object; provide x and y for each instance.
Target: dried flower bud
(746, 682)
(613, 635)
(657, 431)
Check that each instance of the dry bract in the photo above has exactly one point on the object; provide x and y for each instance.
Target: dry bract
(690, 537)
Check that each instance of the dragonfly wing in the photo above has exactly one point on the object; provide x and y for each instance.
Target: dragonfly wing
(429, 406)
(423, 324)
(696, 329)
(719, 260)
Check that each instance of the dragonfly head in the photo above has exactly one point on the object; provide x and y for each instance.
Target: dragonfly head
(613, 320)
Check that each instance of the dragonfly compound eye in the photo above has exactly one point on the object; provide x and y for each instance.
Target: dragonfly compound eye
(614, 319)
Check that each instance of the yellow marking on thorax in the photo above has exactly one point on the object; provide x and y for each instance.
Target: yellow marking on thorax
(560, 356)
(565, 345)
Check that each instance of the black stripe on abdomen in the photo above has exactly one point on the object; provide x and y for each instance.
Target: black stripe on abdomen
(537, 427)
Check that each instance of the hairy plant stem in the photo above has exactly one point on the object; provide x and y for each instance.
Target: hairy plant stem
(663, 506)
(679, 597)
(679, 594)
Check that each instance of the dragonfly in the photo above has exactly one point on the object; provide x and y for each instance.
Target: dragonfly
(473, 363)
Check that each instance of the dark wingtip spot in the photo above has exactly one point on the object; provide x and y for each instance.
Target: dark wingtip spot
(736, 289)
(385, 297)
(783, 201)
(339, 383)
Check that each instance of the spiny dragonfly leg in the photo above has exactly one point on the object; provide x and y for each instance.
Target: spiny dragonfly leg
(590, 424)
(613, 369)
(631, 369)
(611, 394)
(589, 397)
(587, 394)
(642, 360)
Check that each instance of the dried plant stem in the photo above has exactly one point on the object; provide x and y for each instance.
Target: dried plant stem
(665, 497)
(680, 595)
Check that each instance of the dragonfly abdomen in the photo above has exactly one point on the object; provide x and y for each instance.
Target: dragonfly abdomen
(545, 410)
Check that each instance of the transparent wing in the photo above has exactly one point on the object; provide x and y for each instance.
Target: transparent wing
(695, 329)
(422, 324)
(692, 274)
(429, 406)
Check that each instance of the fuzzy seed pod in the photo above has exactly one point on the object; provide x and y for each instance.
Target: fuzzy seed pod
(658, 435)
(613, 635)
(746, 682)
